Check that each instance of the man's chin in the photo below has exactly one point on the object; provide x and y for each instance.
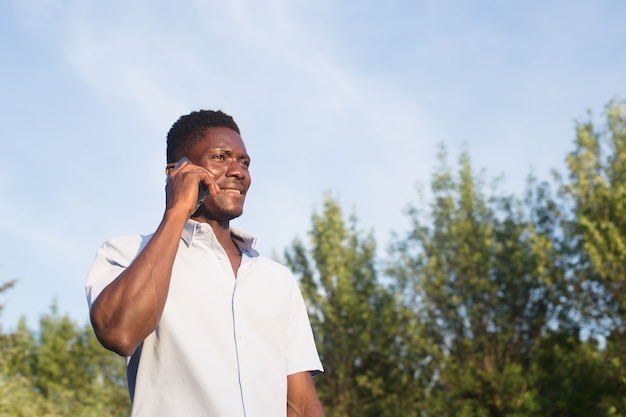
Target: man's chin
(222, 217)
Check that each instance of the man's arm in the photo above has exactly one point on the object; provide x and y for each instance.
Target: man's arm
(302, 399)
(130, 307)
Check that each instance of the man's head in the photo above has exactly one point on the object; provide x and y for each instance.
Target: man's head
(189, 128)
(211, 140)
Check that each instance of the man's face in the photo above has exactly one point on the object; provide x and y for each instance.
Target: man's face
(222, 152)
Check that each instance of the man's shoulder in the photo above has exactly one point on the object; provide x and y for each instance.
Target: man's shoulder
(125, 245)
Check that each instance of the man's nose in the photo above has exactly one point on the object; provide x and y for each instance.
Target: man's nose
(235, 169)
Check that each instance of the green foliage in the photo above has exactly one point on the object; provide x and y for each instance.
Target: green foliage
(575, 378)
(482, 305)
(60, 371)
(5, 286)
(489, 275)
(598, 193)
(363, 332)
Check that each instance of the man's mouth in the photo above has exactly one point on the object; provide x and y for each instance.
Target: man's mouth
(232, 191)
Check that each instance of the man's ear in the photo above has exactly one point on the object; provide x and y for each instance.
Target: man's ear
(174, 165)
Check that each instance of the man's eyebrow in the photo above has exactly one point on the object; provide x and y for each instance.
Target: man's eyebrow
(229, 152)
(225, 151)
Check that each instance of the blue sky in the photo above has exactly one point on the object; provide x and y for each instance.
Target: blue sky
(342, 96)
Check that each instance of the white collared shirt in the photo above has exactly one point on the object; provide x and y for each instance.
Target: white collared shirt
(225, 344)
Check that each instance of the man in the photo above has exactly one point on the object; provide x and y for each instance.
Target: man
(210, 327)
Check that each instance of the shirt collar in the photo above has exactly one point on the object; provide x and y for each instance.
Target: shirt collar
(245, 241)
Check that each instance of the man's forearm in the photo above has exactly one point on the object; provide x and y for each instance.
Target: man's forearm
(312, 408)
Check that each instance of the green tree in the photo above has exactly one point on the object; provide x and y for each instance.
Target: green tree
(61, 370)
(367, 339)
(489, 279)
(597, 169)
(575, 378)
(596, 190)
(5, 286)
(17, 395)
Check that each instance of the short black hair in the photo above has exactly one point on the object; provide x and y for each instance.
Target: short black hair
(189, 128)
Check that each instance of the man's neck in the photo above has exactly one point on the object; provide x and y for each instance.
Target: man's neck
(221, 230)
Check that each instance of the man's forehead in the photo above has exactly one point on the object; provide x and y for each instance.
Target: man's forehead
(222, 138)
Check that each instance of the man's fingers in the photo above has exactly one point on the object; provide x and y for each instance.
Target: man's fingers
(185, 166)
(214, 189)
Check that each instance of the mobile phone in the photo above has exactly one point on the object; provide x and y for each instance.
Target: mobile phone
(203, 190)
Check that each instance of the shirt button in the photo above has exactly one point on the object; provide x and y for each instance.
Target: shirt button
(220, 256)
(246, 381)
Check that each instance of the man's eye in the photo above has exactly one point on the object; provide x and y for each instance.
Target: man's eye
(245, 163)
(219, 157)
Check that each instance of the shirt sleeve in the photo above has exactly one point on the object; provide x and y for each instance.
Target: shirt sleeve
(110, 261)
(302, 353)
